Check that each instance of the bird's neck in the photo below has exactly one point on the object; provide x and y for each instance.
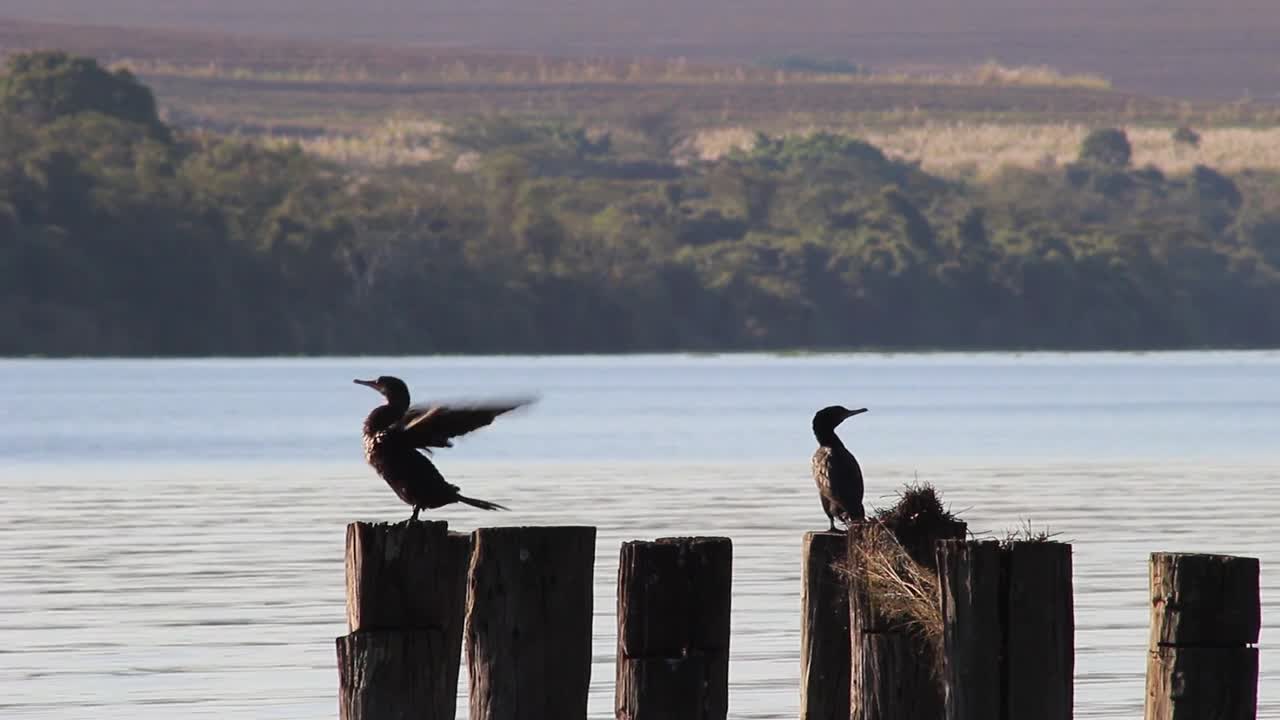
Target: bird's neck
(827, 437)
(398, 401)
(386, 415)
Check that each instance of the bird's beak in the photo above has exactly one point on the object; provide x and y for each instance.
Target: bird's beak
(367, 383)
(859, 411)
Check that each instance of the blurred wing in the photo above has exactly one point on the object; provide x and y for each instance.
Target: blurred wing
(433, 426)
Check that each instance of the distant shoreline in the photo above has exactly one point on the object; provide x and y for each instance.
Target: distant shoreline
(692, 354)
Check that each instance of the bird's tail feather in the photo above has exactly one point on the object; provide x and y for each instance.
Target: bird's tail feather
(482, 504)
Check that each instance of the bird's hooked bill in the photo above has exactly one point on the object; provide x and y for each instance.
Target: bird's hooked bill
(366, 383)
(859, 411)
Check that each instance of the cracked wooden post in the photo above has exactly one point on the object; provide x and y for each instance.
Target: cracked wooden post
(1040, 636)
(970, 583)
(528, 634)
(1008, 630)
(673, 629)
(824, 630)
(1205, 618)
(406, 590)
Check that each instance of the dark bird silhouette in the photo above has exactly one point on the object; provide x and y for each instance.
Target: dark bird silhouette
(835, 470)
(395, 431)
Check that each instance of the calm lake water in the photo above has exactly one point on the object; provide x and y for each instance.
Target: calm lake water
(171, 532)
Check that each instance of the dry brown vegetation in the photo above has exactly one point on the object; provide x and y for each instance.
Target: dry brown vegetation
(192, 54)
(371, 104)
(264, 80)
(982, 149)
(1220, 49)
(1027, 532)
(903, 588)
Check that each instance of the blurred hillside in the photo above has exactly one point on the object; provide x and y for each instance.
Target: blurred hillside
(1217, 49)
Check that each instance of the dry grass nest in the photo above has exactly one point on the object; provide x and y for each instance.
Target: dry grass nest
(919, 517)
(892, 558)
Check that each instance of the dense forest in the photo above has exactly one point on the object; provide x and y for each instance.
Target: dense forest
(122, 236)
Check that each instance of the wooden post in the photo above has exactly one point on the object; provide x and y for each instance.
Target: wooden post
(406, 587)
(892, 673)
(529, 622)
(970, 583)
(1040, 632)
(1008, 630)
(1205, 618)
(673, 629)
(824, 633)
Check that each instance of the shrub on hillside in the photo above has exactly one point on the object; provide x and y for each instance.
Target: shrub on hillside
(44, 86)
(1109, 147)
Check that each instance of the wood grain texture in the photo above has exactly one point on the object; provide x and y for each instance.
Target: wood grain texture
(406, 589)
(894, 682)
(394, 675)
(674, 603)
(1040, 631)
(824, 629)
(1205, 600)
(1205, 617)
(688, 688)
(404, 575)
(892, 670)
(529, 612)
(970, 583)
(1198, 683)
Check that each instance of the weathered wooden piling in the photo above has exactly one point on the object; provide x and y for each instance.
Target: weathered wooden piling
(824, 629)
(1040, 643)
(673, 629)
(528, 634)
(406, 590)
(892, 669)
(1205, 618)
(1008, 630)
(970, 585)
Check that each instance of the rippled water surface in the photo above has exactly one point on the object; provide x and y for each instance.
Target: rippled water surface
(171, 532)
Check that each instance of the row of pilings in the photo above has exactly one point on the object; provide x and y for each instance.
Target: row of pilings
(519, 600)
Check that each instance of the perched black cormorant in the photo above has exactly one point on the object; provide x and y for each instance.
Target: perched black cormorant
(835, 470)
(394, 432)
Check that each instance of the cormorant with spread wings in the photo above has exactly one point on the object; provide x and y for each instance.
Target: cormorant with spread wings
(395, 431)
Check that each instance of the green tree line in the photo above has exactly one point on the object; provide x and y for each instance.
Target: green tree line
(121, 236)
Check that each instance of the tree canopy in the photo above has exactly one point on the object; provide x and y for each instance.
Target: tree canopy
(45, 86)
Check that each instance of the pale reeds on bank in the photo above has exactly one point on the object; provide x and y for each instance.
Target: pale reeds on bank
(499, 69)
(396, 142)
(953, 149)
(982, 149)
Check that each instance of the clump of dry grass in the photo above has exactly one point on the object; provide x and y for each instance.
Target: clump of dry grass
(918, 514)
(993, 73)
(903, 591)
(891, 559)
(1025, 532)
